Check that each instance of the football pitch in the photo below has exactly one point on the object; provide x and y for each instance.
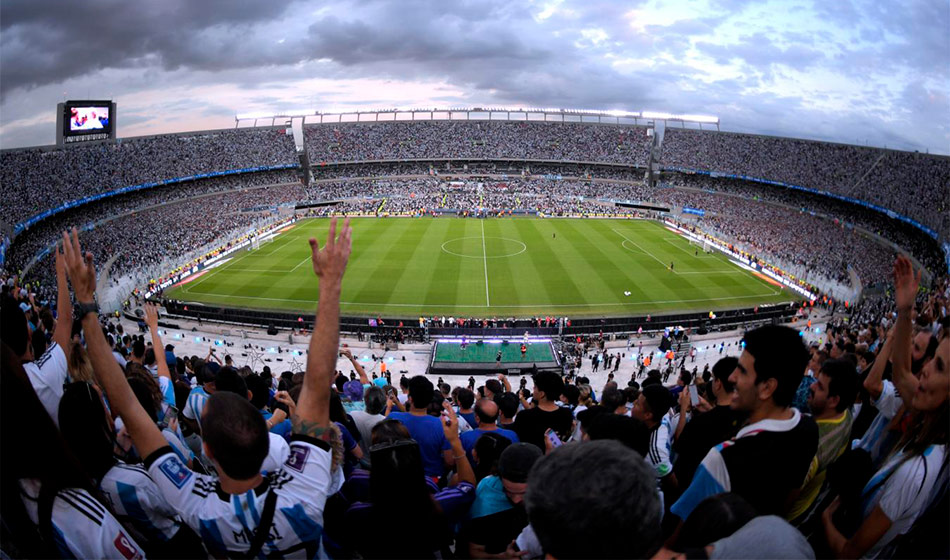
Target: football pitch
(497, 267)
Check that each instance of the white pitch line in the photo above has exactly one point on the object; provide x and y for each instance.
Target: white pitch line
(641, 248)
(537, 305)
(676, 245)
(306, 259)
(485, 260)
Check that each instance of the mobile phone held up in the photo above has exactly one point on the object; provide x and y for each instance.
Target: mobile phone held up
(693, 395)
(552, 437)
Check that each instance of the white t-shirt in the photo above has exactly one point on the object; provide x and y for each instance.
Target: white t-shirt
(48, 374)
(364, 423)
(134, 494)
(226, 522)
(903, 495)
(82, 527)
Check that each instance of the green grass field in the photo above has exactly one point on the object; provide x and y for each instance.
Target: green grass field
(485, 353)
(493, 267)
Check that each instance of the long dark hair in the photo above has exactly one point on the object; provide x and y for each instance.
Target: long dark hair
(397, 483)
(925, 429)
(83, 426)
(34, 450)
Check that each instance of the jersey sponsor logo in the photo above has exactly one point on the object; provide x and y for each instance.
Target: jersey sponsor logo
(298, 457)
(126, 548)
(175, 471)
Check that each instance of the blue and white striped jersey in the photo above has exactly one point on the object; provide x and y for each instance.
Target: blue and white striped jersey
(82, 527)
(227, 522)
(134, 495)
(196, 404)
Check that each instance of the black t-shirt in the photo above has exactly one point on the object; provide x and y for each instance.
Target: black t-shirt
(531, 423)
(496, 531)
(701, 433)
(764, 468)
(765, 462)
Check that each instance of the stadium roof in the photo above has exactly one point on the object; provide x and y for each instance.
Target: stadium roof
(611, 113)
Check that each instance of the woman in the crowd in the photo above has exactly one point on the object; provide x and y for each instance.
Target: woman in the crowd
(60, 512)
(422, 527)
(130, 490)
(913, 474)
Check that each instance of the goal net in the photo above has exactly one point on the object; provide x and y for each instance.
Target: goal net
(257, 240)
(705, 246)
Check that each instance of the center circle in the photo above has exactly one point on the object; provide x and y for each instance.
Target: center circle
(478, 247)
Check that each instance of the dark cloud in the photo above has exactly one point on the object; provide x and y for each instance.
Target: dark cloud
(46, 41)
(481, 52)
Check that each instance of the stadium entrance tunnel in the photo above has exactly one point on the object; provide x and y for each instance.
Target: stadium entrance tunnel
(478, 247)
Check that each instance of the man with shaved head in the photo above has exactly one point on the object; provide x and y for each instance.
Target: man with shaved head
(486, 413)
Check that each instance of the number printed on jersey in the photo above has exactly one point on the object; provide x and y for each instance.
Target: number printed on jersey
(298, 457)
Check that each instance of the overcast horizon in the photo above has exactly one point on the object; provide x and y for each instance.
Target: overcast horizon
(856, 72)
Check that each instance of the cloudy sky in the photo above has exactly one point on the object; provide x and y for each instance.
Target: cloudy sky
(855, 71)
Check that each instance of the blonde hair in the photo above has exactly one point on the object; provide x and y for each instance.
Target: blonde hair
(584, 398)
(78, 364)
(336, 446)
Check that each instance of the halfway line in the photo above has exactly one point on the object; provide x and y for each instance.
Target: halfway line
(485, 260)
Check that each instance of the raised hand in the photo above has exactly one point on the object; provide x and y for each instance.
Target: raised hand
(60, 263)
(330, 262)
(284, 398)
(79, 268)
(905, 283)
(451, 424)
(151, 316)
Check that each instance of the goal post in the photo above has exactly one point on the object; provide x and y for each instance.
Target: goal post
(258, 240)
(704, 245)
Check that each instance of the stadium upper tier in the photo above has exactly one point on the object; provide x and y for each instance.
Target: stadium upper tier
(913, 185)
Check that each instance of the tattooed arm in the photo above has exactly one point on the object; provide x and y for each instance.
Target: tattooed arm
(312, 416)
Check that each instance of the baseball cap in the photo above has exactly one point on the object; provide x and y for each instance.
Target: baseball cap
(516, 461)
(353, 390)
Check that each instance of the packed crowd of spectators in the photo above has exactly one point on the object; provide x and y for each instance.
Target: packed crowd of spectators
(35, 180)
(736, 212)
(136, 231)
(477, 139)
(774, 234)
(780, 450)
(38, 179)
(922, 246)
(895, 180)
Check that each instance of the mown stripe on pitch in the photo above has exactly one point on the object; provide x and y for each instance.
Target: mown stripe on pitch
(641, 289)
(392, 265)
(420, 269)
(603, 268)
(557, 280)
(368, 252)
(504, 274)
(447, 270)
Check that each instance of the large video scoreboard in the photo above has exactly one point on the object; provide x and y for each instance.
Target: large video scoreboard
(85, 121)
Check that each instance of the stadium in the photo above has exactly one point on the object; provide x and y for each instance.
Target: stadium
(503, 175)
(471, 332)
